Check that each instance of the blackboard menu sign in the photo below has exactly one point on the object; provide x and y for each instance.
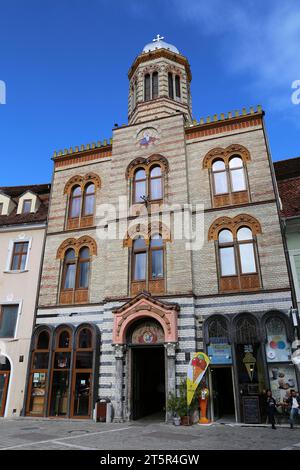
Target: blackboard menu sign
(251, 410)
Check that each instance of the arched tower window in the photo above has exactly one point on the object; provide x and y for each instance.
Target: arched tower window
(147, 89)
(154, 85)
(170, 85)
(177, 86)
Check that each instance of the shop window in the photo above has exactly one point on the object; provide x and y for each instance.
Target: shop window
(36, 404)
(217, 341)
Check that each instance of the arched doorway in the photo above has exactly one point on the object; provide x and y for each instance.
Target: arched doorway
(145, 338)
(4, 382)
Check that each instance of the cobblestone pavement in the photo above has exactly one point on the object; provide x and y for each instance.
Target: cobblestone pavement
(30, 433)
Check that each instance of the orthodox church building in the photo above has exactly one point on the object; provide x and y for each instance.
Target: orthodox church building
(119, 315)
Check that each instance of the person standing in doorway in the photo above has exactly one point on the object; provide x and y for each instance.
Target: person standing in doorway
(294, 404)
(271, 408)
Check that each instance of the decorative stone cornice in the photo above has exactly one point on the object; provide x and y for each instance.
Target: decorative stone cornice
(146, 162)
(82, 181)
(225, 154)
(146, 231)
(77, 244)
(145, 306)
(160, 53)
(233, 224)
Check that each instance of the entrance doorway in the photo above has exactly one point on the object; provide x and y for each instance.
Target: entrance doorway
(222, 393)
(148, 381)
(4, 382)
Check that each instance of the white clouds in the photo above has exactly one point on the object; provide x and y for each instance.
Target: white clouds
(260, 40)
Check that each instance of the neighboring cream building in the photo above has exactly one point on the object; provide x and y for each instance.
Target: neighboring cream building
(23, 218)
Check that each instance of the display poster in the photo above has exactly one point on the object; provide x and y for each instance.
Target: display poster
(282, 380)
(196, 370)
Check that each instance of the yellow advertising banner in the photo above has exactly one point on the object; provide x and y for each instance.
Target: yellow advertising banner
(196, 370)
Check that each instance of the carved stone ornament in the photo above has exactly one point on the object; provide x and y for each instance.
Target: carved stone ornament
(82, 181)
(77, 244)
(171, 349)
(233, 224)
(225, 154)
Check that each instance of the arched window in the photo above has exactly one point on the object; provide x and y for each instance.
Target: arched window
(154, 85)
(89, 200)
(170, 85)
(246, 330)
(147, 89)
(220, 182)
(83, 268)
(156, 257)
(139, 259)
(148, 183)
(228, 175)
(85, 339)
(237, 256)
(43, 340)
(63, 340)
(155, 190)
(81, 191)
(139, 185)
(148, 261)
(177, 87)
(75, 202)
(75, 276)
(237, 174)
(69, 270)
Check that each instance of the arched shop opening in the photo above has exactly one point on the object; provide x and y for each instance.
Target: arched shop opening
(145, 339)
(63, 377)
(249, 353)
(5, 369)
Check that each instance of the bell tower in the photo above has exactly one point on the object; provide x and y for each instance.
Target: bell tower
(159, 83)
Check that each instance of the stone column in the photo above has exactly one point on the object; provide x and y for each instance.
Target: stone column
(170, 372)
(119, 356)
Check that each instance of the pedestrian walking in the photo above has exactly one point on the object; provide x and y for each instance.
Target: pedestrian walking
(293, 403)
(271, 408)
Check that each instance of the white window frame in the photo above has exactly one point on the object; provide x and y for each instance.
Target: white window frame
(292, 254)
(19, 239)
(13, 302)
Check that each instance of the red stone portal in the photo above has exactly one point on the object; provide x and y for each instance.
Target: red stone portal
(145, 306)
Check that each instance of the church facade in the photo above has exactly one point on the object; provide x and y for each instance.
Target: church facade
(124, 300)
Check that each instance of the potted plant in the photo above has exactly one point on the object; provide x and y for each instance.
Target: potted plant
(173, 406)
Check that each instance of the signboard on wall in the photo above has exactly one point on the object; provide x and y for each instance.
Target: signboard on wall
(219, 353)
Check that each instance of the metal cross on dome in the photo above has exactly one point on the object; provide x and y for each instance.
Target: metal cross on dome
(158, 38)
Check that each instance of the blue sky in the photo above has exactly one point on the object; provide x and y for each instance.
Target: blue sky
(65, 66)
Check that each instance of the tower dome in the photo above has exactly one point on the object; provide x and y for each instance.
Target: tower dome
(158, 43)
